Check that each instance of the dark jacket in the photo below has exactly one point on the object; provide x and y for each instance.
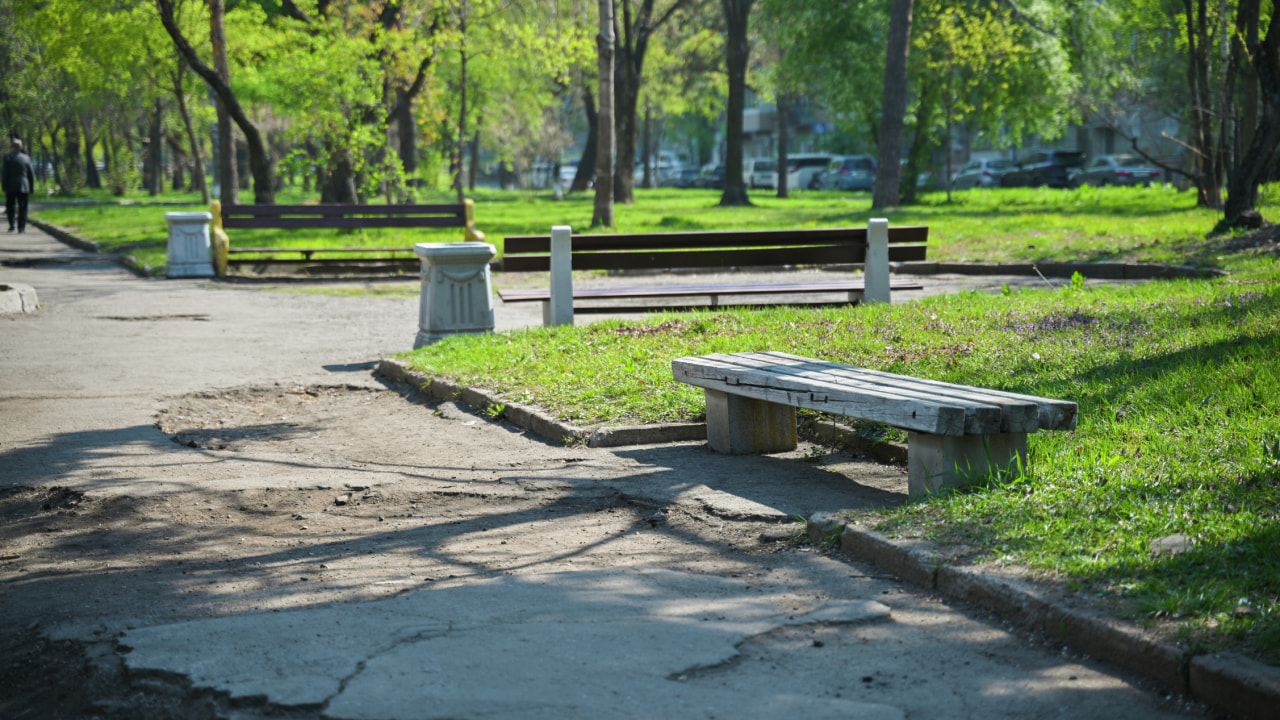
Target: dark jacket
(19, 175)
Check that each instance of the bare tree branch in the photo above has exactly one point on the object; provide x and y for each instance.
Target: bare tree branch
(294, 11)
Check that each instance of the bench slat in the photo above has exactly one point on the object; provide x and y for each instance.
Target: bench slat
(524, 244)
(721, 372)
(598, 293)
(338, 222)
(819, 255)
(277, 250)
(338, 210)
(985, 414)
(1051, 414)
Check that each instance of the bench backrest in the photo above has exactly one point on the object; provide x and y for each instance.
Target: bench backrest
(735, 248)
(344, 216)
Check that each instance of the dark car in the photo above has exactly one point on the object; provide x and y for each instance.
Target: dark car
(688, 178)
(712, 178)
(1055, 168)
(1118, 170)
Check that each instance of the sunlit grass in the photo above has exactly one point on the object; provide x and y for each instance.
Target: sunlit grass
(1179, 429)
(1157, 224)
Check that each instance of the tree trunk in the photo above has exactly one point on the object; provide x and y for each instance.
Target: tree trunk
(1263, 153)
(736, 13)
(155, 152)
(602, 213)
(587, 163)
(473, 172)
(197, 154)
(73, 171)
(260, 161)
(228, 178)
(893, 107)
(462, 109)
(784, 137)
(646, 148)
(1207, 172)
(339, 184)
(91, 177)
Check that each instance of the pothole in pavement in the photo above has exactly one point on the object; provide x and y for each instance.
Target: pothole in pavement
(229, 419)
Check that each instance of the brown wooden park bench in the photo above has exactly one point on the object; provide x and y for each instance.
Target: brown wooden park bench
(711, 252)
(325, 217)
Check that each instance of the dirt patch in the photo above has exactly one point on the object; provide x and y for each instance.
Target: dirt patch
(284, 497)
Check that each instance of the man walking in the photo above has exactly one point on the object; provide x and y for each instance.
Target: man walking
(19, 179)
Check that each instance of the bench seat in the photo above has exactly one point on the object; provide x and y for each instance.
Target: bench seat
(854, 288)
(954, 431)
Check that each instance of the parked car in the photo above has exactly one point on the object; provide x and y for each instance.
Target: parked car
(764, 174)
(1054, 168)
(711, 176)
(848, 173)
(688, 178)
(1117, 170)
(980, 173)
(666, 168)
(802, 167)
(715, 180)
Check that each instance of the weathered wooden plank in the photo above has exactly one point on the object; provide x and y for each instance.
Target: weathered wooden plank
(990, 413)
(1052, 414)
(604, 293)
(980, 418)
(276, 250)
(719, 372)
(338, 222)
(330, 210)
(728, 258)
(902, 234)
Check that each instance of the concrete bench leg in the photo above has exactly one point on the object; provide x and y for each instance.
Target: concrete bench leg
(738, 425)
(937, 460)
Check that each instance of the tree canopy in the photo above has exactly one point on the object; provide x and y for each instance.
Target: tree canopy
(377, 99)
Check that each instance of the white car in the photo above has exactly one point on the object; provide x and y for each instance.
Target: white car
(764, 174)
(981, 173)
(802, 167)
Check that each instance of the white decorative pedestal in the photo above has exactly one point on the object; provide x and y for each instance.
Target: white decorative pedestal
(456, 294)
(189, 244)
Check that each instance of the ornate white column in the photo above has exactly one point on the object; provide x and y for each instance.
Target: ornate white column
(456, 293)
(189, 254)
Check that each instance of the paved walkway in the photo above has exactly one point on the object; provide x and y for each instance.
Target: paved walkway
(646, 620)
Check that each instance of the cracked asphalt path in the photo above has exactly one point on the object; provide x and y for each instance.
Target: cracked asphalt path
(210, 508)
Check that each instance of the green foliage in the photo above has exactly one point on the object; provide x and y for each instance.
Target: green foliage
(122, 174)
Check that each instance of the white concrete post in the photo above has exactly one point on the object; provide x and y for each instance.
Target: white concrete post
(189, 254)
(456, 296)
(559, 310)
(876, 267)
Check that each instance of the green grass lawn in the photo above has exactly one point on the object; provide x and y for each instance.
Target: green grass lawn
(1178, 381)
(1157, 224)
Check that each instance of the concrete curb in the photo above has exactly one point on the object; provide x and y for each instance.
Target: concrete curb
(1228, 681)
(538, 422)
(1093, 271)
(75, 241)
(16, 298)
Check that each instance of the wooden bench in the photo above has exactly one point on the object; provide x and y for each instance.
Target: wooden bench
(325, 217)
(561, 252)
(954, 432)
